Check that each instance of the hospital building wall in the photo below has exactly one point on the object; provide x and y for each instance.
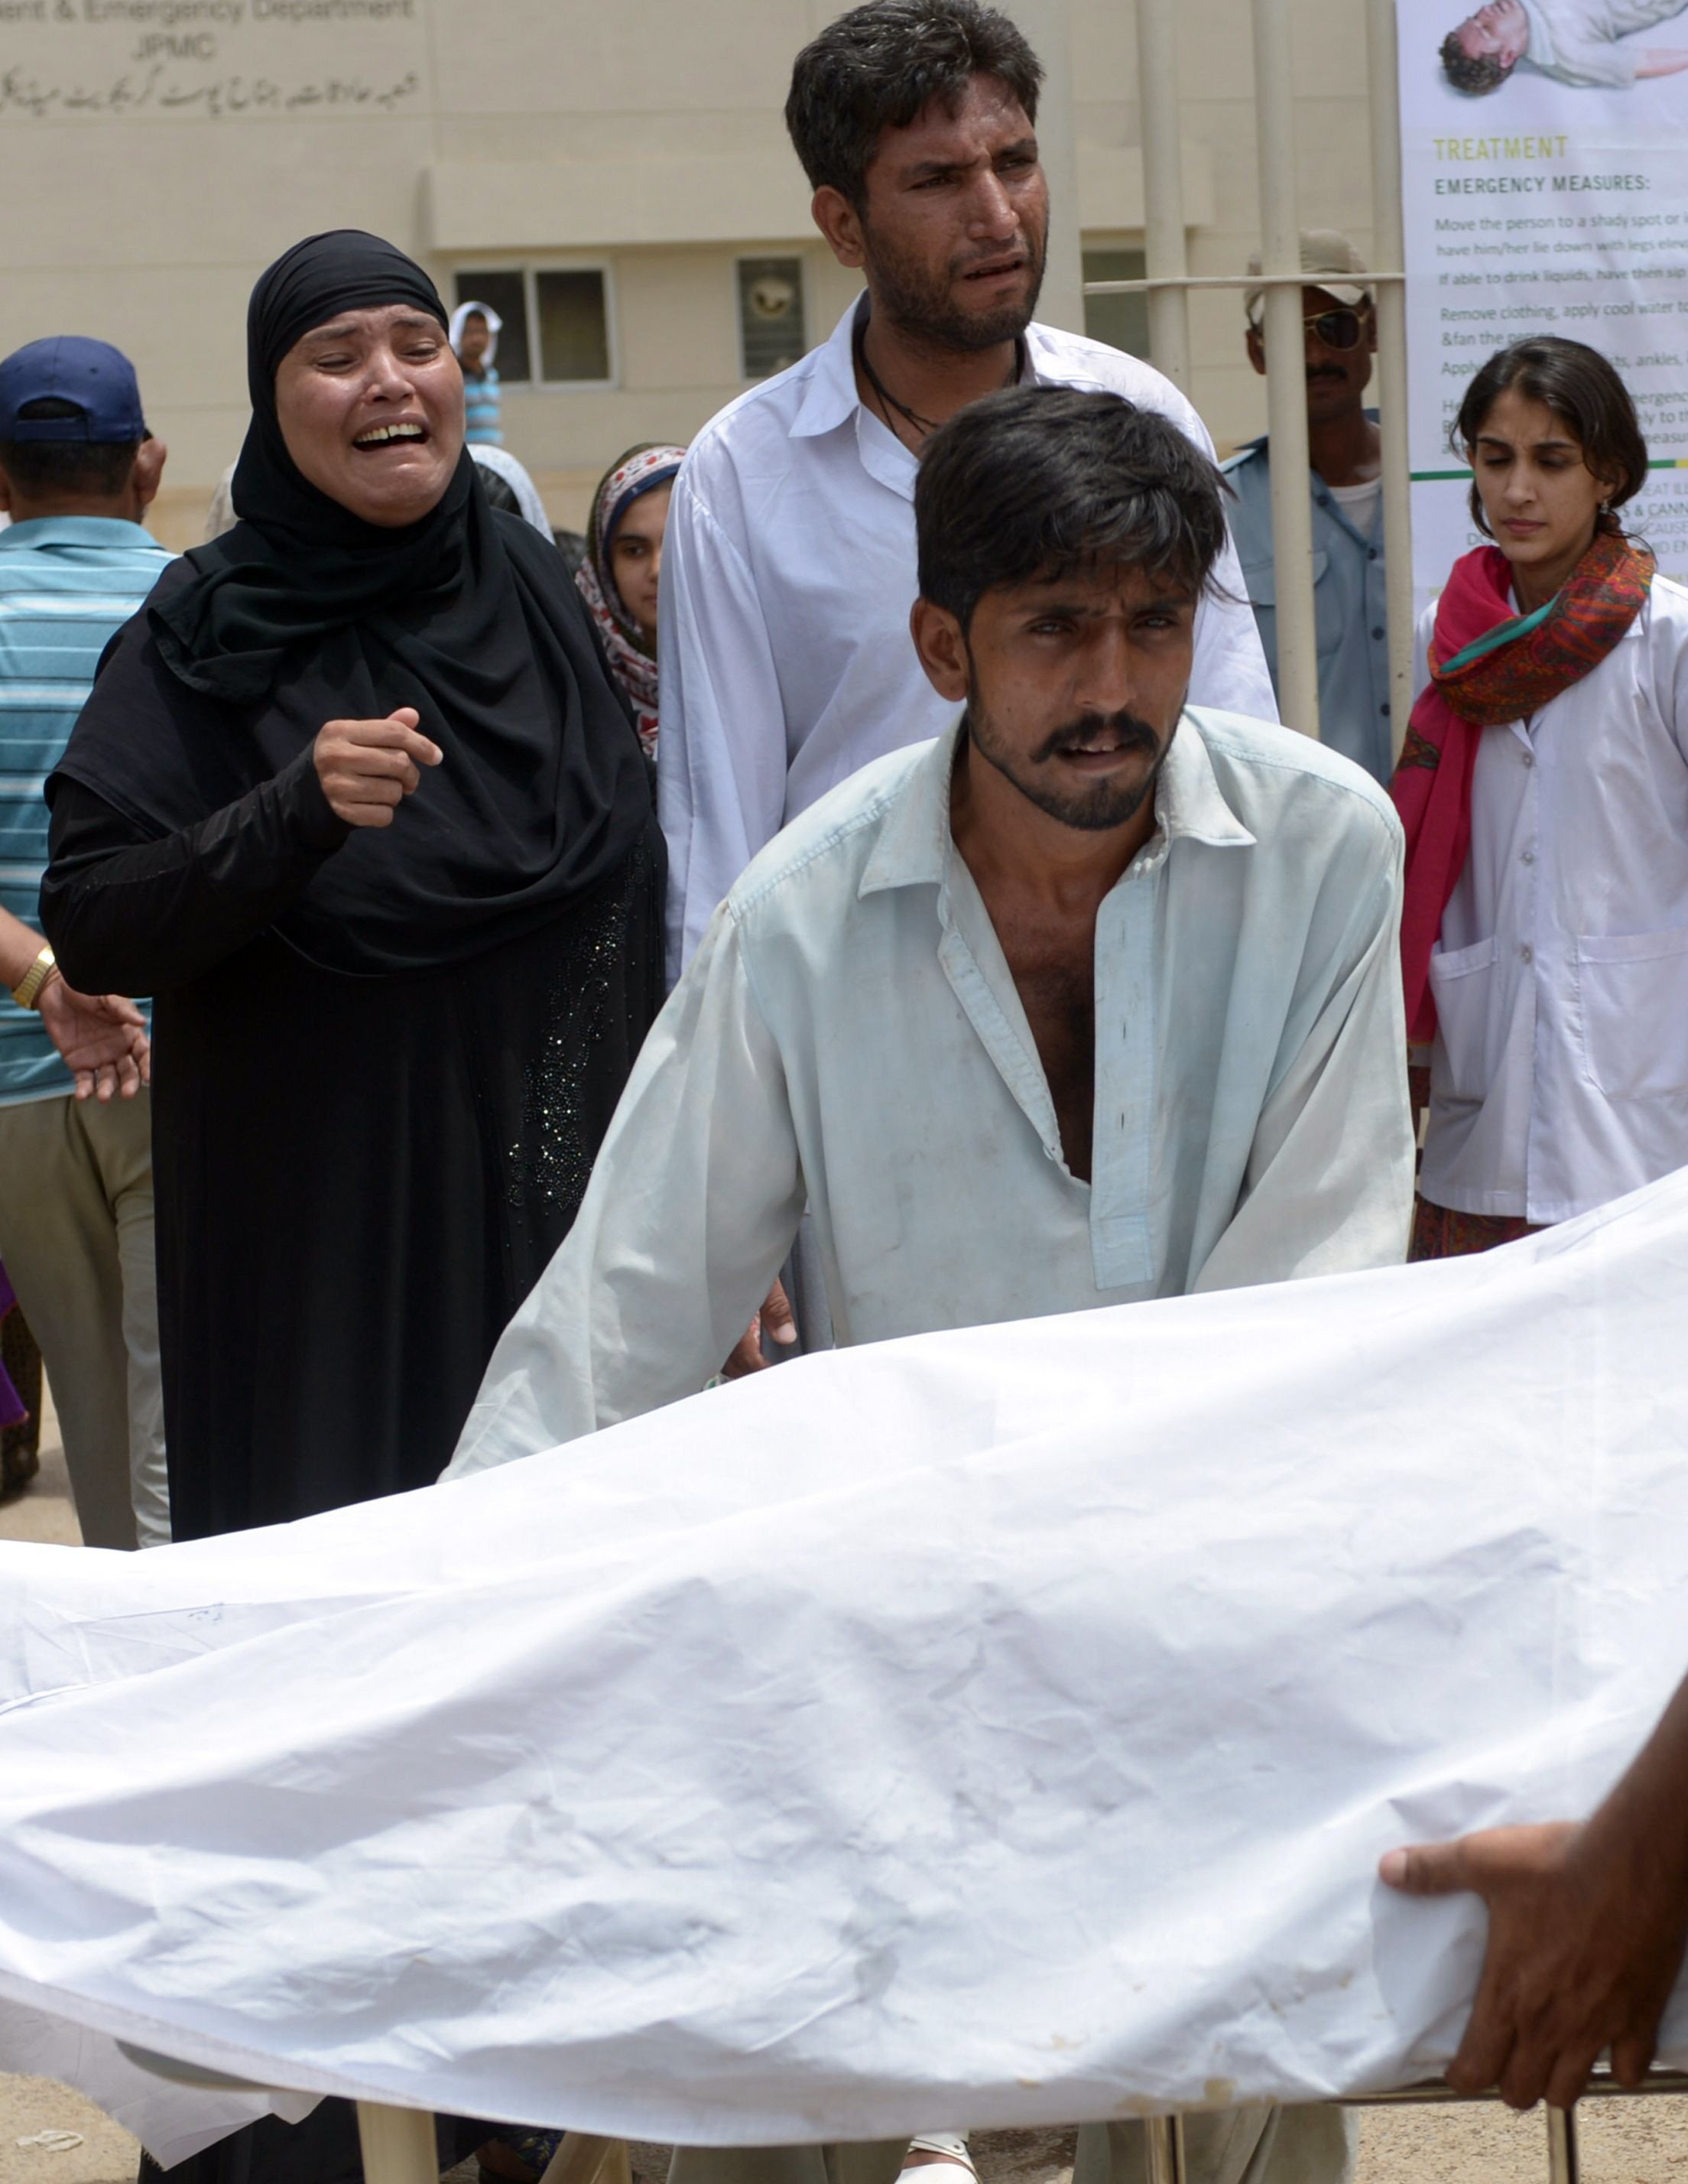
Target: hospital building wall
(622, 170)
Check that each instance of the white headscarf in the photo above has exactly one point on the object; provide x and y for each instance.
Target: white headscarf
(494, 325)
(527, 492)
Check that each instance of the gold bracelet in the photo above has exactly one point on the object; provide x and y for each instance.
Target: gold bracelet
(26, 993)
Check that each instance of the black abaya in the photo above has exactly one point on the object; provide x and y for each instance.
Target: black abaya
(383, 1058)
(358, 1179)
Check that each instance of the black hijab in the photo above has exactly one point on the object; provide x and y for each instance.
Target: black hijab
(303, 614)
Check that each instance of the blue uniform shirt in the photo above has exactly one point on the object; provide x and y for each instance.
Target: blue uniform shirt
(66, 583)
(1349, 612)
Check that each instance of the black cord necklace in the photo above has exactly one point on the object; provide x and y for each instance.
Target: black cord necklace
(888, 401)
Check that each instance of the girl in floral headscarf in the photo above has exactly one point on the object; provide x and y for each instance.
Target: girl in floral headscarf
(617, 579)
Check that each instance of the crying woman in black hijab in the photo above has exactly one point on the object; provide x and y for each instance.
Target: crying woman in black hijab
(354, 799)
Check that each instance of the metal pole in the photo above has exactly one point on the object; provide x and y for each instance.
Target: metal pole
(398, 2145)
(1061, 302)
(1296, 280)
(1388, 247)
(1164, 2149)
(1286, 370)
(1164, 235)
(1562, 2166)
(1436, 2092)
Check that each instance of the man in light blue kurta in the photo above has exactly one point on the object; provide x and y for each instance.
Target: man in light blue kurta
(850, 1033)
(1127, 1026)
(1095, 998)
(1345, 482)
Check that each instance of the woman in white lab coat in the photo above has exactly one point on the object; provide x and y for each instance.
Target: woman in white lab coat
(1544, 788)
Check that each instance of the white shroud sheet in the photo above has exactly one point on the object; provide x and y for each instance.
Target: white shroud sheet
(1000, 1726)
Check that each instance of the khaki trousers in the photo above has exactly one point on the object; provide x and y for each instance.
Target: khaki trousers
(1256, 2145)
(876, 2161)
(76, 1235)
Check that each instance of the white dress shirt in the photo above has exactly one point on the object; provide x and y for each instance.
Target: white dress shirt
(788, 575)
(850, 1034)
(1559, 1075)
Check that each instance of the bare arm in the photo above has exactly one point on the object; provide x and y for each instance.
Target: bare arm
(19, 946)
(1663, 60)
(1586, 1928)
(100, 1038)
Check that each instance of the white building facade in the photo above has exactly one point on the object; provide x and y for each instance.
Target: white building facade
(614, 179)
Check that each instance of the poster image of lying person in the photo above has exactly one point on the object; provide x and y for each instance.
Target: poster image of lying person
(1576, 42)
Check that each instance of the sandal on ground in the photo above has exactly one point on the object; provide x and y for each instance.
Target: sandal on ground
(945, 2149)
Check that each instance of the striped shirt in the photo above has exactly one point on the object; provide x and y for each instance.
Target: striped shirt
(66, 583)
(481, 409)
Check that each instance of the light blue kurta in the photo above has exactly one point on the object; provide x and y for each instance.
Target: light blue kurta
(849, 1034)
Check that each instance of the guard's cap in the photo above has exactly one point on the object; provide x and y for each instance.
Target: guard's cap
(1323, 253)
(94, 379)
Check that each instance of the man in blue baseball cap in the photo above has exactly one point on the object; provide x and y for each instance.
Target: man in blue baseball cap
(78, 471)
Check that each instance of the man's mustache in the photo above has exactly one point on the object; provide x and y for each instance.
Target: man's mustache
(1133, 734)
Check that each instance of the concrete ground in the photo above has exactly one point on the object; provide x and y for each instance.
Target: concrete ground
(42, 1510)
(1625, 2142)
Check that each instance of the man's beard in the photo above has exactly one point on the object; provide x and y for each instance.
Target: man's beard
(919, 304)
(1093, 807)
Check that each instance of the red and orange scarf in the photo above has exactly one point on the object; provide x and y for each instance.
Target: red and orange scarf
(1491, 664)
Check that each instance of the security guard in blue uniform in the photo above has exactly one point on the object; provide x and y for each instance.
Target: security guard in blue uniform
(1347, 485)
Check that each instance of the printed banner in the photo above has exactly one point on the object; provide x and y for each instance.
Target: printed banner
(1545, 190)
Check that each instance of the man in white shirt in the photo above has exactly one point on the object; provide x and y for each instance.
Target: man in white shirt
(788, 566)
(1095, 998)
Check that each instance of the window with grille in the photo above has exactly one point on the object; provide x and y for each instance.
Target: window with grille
(505, 289)
(556, 330)
(1121, 321)
(771, 333)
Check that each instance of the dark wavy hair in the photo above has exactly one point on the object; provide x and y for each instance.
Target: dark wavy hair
(1473, 73)
(1583, 389)
(879, 66)
(1040, 481)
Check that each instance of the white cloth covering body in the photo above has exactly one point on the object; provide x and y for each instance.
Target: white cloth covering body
(850, 1034)
(1559, 1075)
(788, 575)
(1002, 1724)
